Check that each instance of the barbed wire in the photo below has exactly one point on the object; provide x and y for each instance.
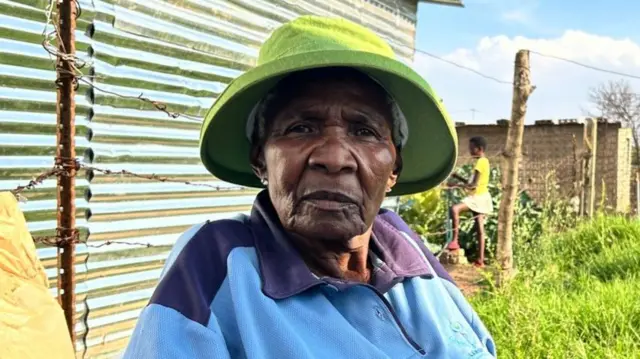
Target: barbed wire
(56, 240)
(76, 63)
(155, 177)
(60, 241)
(37, 180)
(160, 106)
(59, 170)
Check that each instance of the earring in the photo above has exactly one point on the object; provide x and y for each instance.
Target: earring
(264, 181)
(388, 190)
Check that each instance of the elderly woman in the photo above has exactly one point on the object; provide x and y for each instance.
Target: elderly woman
(329, 123)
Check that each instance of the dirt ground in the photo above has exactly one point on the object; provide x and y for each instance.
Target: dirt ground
(467, 277)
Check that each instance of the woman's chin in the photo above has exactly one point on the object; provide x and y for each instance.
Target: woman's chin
(331, 228)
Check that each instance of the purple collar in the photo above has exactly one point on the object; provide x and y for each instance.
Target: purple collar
(285, 274)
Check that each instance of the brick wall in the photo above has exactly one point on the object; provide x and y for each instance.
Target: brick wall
(548, 157)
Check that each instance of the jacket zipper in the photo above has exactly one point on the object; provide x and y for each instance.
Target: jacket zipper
(415, 345)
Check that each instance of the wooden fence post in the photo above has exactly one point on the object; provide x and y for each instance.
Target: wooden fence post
(593, 134)
(511, 156)
(576, 193)
(638, 193)
(590, 139)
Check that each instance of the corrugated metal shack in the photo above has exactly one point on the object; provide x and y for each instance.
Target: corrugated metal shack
(178, 52)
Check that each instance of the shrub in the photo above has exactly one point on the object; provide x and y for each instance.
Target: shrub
(426, 213)
(576, 295)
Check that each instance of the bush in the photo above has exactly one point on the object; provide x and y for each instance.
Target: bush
(606, 248)
(426, 213)
(576, 295)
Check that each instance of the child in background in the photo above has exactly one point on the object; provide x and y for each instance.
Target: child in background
(478, 200)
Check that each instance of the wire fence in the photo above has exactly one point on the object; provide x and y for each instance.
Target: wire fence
(59, 170)
(547, 176)
(77, 64)
(86, 76)
(58, 240)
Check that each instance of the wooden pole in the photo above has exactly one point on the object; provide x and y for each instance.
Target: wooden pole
(575, 176)
(638, 193)
(585, 172)
(575, 168)
(66, 159)
(511, 156)
(590, 139)
(592, 125)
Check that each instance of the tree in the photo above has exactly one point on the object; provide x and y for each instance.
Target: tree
(616, 100)
(511, 156)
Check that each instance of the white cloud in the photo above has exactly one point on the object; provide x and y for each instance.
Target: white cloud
(562, 87)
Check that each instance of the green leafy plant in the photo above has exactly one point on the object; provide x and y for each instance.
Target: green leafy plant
(426, 213)
(527, 219)
(575, 295)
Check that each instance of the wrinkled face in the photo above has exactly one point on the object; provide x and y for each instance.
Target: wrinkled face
(329, 157)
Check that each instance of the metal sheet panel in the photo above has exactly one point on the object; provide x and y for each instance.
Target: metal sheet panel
(181, 53)
(457, 3)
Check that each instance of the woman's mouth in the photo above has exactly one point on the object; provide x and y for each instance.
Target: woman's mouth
(329, 200)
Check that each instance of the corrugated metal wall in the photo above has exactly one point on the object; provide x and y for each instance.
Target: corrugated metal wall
(179, 52)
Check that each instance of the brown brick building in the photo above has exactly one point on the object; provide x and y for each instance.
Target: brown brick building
(549, 157)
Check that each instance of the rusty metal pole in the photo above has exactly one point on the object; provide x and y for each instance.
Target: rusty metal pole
(65, 158)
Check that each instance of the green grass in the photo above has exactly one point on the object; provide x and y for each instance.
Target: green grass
(577, 295)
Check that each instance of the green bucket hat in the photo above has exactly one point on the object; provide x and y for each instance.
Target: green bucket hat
(309, 42)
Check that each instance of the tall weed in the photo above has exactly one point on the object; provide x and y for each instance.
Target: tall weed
(576, 295)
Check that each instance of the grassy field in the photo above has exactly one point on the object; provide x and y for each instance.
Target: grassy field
(577, 295)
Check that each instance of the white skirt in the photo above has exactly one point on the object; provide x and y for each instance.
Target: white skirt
(479, 203)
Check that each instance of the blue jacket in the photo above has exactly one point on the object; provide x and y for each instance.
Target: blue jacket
(236, 288)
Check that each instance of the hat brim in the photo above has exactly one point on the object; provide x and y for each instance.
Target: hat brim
(428, 157)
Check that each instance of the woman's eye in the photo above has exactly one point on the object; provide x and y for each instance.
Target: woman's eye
(364, 132)
(300, 129)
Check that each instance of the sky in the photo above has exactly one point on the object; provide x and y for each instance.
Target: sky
(486, 34)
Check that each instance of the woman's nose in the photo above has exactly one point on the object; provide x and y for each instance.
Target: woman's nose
(333, 155)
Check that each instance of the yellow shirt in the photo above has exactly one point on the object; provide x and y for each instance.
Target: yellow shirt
(484, 169)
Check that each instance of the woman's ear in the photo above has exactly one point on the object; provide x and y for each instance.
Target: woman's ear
(393, 178)
(257, 162)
